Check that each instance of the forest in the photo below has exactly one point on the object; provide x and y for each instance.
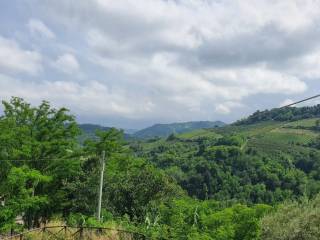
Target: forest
(258, 178)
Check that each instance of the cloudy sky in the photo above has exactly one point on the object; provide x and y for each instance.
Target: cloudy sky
(132, 63)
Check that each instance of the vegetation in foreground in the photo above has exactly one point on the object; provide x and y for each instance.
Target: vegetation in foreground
(257, 179)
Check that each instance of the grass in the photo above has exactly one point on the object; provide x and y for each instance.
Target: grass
(274, 138)
(248, 130)
(288, 136)
(199, 133)
(55, 230)
(74, 233)
(311, 122)
(270, 138)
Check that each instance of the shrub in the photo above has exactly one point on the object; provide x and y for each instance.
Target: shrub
(291, 221)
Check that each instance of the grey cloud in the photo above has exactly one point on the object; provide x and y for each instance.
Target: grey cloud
(179, 60)
(269, 45)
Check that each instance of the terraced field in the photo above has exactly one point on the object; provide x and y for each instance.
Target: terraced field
(282, 135)
(200, 133)
(248, 130)
(270, 138)
(283, 138)
(303, 123)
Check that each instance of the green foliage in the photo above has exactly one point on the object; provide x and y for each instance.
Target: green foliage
(109, 141)
(88, 131)
(262, 163)
(315, 143)
(282, 114)
(20, 193)
(171, 137)
(44, 139)
(231, 141)
(293, 220)
(207, 184)
(192, 219)
(78, 219)
(61, 177)
(130, 184)
(164, 130)
(36, 132)
(199, 134)
(133, 184)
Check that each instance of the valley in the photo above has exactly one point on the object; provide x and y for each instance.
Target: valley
(194, 180)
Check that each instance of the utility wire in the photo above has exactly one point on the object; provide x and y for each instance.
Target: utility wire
(59, 159)
(303, 100)
(37, 160)
(282, 124)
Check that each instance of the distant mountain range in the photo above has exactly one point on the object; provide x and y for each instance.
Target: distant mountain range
(164, 130)
(88, 131)
(157, 130)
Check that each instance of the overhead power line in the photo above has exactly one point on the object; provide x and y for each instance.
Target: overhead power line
(287, 121)
(73, 159)
(303, 100)
(37, 160)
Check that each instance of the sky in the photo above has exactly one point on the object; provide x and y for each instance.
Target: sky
(133, 63)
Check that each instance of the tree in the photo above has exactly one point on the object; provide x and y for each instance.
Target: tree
(187, 218)
(171, 137)
(110, 141)
(317, 123)
(82, 191)
(131, 184)
(44, 139)
(20, 197)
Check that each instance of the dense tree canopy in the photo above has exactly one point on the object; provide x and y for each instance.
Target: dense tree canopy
(216, 183)
(282, 114)
(45, 171)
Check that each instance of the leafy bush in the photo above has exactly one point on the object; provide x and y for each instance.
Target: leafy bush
(230, 141)
(292, 221)
(193, 219)
(282, 114)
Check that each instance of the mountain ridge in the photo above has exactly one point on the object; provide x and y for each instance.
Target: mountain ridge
(164, 130)
(156, 130)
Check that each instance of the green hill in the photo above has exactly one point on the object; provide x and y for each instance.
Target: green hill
(282, 114)
(254, 180)
(88, 130)
(260, 161)
(164, 130)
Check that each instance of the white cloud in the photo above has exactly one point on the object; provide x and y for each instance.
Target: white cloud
(91, 98)
(38, 27)
(222, 109)
(184, 59)
(214, 48)
(190, 88)
(286, 102)
(67, 63)
(256, 79)
(14, 59)
(305, 67)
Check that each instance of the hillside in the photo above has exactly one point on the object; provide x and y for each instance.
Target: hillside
(239, 181)
(164, 130)
(88, 130)
(158, 130)
(282, 114)
(256, 162)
